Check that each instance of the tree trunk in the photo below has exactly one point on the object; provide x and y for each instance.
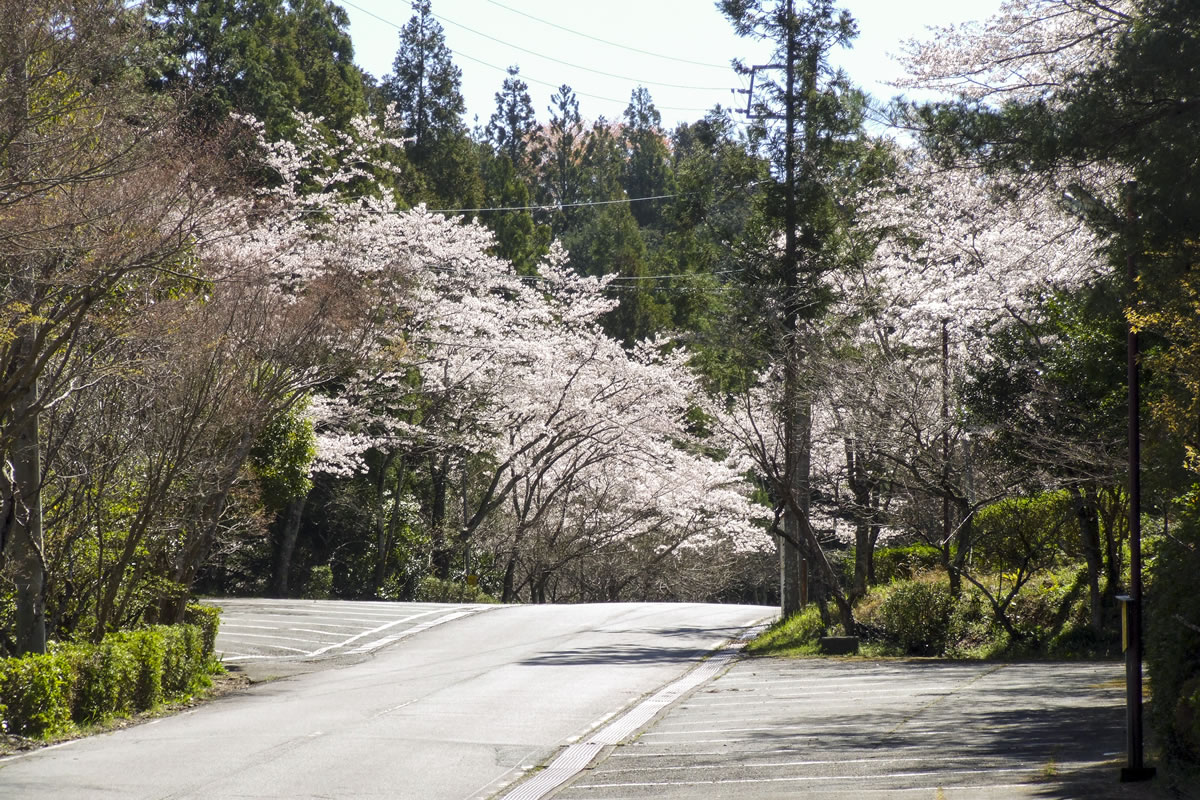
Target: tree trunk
(23, 541)
(510, 571)
(1113, 519)
(438, 475)
(789, 569)
(962, 541)
(386, 521)
(874, 540)
(1089, 535)
(864, 541)
(287, 546)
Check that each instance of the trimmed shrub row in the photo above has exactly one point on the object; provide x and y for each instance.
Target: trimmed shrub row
(433, 590)
(41, 695)
(905, 562)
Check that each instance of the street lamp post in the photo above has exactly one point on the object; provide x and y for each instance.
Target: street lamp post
(1131, 616)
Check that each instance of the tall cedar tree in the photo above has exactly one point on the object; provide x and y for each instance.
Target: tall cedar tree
(820, 116)
(513, 129)
(268, 59)
(559, 158)
(425, 87)
(647, 160)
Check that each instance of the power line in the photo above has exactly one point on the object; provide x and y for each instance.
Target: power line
(677, 275)
(558, 206)
(529, 78)
(585, 204)
(576, 66)
(461, 54)
(607, 42)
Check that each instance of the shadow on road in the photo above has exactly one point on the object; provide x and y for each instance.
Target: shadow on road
(617, 654)
(633, 653)
(1101, 782)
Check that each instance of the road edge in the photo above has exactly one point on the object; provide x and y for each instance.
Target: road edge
(577, 756)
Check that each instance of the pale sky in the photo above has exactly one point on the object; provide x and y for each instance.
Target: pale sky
(686, 43)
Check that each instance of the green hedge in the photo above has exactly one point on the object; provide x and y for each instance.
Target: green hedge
(41, 695)
(434, 590)
(902, 563)
(208, 620)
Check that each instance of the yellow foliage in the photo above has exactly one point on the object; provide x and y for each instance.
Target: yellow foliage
(1178, 321)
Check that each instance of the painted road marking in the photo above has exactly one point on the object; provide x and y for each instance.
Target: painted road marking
(424, 626)
(815, 778)
(576, 757)
(327, 646)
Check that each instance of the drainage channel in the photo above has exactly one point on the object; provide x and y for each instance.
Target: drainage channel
(576, 758)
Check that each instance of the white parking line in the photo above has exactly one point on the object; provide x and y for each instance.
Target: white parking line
(227, 625)
(365, 634)
(367, 647)
(424, 626)
(241, 637)
(742, 764)
(816, 778)
(576, 757)
(928, 791)
(815, 726)
(272, 646)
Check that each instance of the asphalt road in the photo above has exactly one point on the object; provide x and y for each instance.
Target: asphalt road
(770, 729)
(458, 710)
(304, 631)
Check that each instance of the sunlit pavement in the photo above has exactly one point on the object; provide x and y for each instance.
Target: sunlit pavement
(256, 630)
(774, 728)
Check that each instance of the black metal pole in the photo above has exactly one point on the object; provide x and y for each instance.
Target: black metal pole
(1136, 770)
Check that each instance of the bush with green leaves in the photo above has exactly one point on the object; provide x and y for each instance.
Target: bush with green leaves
(44, 694)
(916, 614)
(798, 634)
(35, 694)
(435, 590)
(903, 562)
(1172, 635)
(319, 585)
(208, 620)
(106, 677)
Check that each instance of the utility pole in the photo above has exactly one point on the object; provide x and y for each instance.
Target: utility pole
(947, 525)
(792, 583)
(803, 38)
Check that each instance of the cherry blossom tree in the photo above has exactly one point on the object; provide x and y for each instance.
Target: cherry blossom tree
(280, 292)
(521, 393)
(960, 255)
(1026, 51)
(955, 255)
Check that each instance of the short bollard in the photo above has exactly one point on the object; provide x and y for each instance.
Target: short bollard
(839, 645)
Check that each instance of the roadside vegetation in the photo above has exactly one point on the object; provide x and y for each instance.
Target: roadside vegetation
(77, 688)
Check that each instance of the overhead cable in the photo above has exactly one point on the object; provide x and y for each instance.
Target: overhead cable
(552, 85)
(578, 66)
(607, 42)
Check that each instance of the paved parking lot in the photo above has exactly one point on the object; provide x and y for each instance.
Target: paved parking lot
(774, 728)
(255, 629)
